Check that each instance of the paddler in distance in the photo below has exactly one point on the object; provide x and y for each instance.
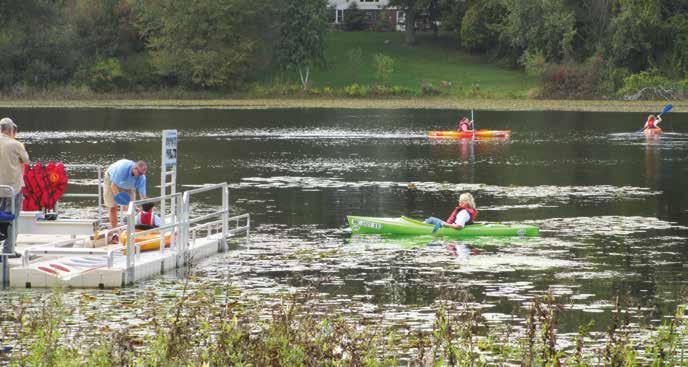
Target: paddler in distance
(652, 122)
(464, 124)
(464, 214)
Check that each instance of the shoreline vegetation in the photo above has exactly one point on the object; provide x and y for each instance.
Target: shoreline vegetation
(303, 331)
(347, 103)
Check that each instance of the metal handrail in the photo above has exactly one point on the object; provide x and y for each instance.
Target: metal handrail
(178, 227)
(12, 236)
(12, 197)
(99, 170)
(134, 248)
(26, 256)
(223, 213)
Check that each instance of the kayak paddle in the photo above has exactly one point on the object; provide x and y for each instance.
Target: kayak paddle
(666, 109)
(472, 124)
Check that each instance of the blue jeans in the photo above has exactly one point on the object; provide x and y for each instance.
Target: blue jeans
(6, 205)
(436, 221)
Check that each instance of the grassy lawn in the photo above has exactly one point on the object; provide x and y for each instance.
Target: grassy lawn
(433, 60)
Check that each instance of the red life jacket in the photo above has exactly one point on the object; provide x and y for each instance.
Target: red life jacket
(651, 124)
(146, 218)
(32, 187)
(56, 183)
(471, 212)
(43, 185)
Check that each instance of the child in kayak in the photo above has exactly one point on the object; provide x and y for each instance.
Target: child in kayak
(464, 125)
(146, 219)
(652, 122)
(464, 214)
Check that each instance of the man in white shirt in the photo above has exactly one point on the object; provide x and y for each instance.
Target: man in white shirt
(13, 155)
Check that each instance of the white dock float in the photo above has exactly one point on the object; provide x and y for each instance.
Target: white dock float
(72, 261)
(88, 268)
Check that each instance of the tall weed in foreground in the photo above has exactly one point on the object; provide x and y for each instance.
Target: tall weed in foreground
(667, 348)
(206, 325)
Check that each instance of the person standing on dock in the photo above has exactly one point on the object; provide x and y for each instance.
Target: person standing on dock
(123, 176)
(13, 155)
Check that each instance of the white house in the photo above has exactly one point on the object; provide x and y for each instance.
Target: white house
(373, 8)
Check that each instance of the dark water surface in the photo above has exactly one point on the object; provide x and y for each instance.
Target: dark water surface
(611, 203)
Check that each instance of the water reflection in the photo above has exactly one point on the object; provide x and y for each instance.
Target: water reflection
(653, 159)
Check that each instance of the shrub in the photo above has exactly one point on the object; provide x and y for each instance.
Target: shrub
(565, 81)
(384, 67)
(138, 70)
(356, 90)
(106, 75)
(384, 22)
(534, 93)
(427, 89)
(381, 90)
(533, 62)
(650, 84)
(354, 18)
(398, 90)
(594, 78)
(277, 89)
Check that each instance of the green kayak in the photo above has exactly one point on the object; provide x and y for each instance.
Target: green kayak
(408, 226)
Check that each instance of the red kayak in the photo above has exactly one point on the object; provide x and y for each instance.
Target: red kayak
(449, 134)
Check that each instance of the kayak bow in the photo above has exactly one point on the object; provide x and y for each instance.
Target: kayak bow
(408, 226)
(653, 131)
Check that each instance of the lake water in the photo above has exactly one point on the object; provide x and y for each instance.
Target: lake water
(610, 203)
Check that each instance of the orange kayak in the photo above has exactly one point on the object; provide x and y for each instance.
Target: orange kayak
(469, 134)
(653, 131)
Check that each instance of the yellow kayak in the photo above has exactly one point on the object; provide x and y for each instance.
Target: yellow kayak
(154, 239)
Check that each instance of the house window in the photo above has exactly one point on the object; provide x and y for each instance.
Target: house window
(340, 16)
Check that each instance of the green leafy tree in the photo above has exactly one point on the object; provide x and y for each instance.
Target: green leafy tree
(354, 18)
(208, 44)
(302, 37)
(481, 25)
(411, 8)
(36, 43)
(451, 13)
(679, 54)
(546, 26)
(636, 32)
(114, 20)
(593, 18)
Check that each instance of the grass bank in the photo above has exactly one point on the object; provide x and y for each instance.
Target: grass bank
(435, 63)
(352, 103)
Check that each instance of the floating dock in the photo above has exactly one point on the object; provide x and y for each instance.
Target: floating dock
(77, 252)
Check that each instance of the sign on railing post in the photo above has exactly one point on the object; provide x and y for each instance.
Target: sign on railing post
(168, 167)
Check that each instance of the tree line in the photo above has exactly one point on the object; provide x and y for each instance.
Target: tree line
(144, 44)
(580, 48)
